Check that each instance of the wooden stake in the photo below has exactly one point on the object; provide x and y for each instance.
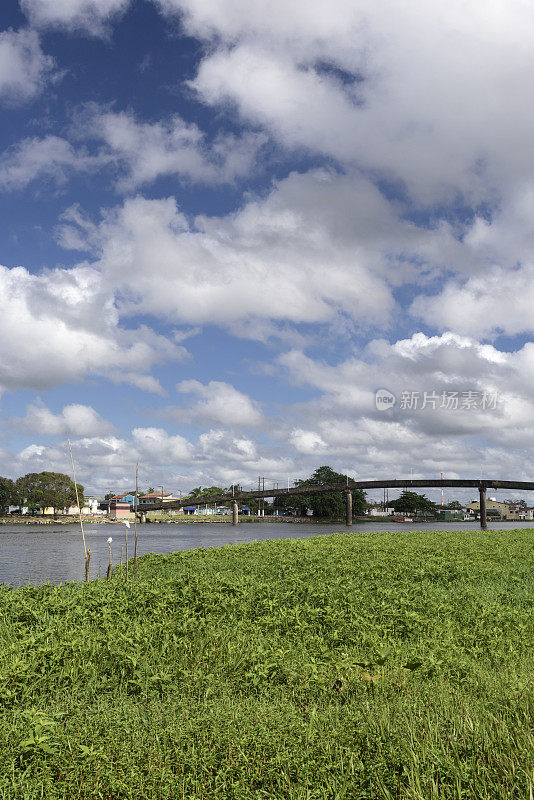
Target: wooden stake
(87, 557)
(122, 548)
(135, 517)
(126, 526)
(108, 576)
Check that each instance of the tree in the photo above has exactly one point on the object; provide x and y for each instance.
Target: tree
(8, 493)
(151, 490)
(412, 502)
(328, 504)
(47, 489)
(194, 492)
(455, 505)
(212, 491)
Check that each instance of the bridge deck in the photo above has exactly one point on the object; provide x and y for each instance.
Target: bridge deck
(403, 483)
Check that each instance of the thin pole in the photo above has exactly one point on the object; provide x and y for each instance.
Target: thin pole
(483, 518)
(135, 521)
(86, 552)
(127, 571)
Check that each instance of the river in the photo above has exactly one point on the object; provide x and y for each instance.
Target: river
(36, 554)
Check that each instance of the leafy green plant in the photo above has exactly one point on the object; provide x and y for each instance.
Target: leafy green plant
(382, 666)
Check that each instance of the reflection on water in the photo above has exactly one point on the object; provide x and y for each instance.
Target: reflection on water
(39, 554)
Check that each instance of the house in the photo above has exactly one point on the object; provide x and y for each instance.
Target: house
(450, 514)
(505, 511)
(157, 497)
(119, 510)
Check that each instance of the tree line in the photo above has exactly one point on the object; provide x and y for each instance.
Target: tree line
(40, 490)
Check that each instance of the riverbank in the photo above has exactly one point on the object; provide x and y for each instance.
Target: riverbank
(350, 666)
(192, 519)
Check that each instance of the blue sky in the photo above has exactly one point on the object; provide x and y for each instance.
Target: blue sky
(225, 225)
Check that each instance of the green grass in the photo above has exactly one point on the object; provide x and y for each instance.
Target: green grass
(216, 676)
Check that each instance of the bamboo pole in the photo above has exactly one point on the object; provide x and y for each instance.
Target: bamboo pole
(127, 571)
(108, 574)
(135, 517)
(87, 553)
(122, 548)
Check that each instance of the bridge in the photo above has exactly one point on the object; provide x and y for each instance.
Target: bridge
(346, 488)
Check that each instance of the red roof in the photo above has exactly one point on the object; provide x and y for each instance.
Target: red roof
(156, 494)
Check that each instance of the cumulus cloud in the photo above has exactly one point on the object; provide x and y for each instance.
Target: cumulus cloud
(51, 157)
(63, 326)
(24, 68)
(146, 150)
(420, 93)
(219, 403)
(90, 16)
(160, 448)
(307, 442)
(464, 394)
(318, 245)
(74, 420)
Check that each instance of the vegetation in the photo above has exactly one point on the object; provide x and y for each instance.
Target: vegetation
(356, 666)
(327, 505)
(40, 490)
(413, 502)
(8, 493)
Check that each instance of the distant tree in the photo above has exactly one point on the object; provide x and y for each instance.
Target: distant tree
(454, 505)
(8, 493)
(150, 490)
(412, 502)
(327, 504)
(47, 489)
(212, 491)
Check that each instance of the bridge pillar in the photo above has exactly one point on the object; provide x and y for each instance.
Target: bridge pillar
(234, 512)
(348, 509)
(483, 519)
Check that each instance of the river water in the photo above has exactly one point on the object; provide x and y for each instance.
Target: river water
(35, 554)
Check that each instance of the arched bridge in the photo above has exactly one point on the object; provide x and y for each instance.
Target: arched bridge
(347, 488)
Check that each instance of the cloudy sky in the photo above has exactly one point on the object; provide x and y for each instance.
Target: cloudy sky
(227, 224)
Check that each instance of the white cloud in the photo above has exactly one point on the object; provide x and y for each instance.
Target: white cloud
(219, 403)
(160, 448)
(63, 326)
(317, 245)
(501, 300)
(89, 16)
(344, 419)
(421, 93)
(146, 150)
(51, 157)
(74, 420)
(24, 68)
(307, 442)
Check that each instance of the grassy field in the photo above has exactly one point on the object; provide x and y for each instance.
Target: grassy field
(395, 665)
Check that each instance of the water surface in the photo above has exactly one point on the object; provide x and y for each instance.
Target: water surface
(38, 554)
